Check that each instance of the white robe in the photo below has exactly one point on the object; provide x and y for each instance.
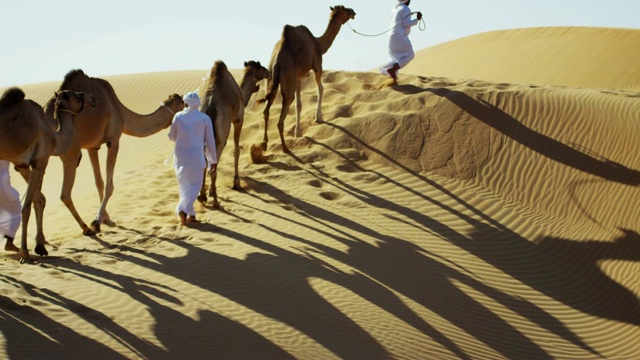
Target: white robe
(400, 47)
(192, 132)
(10, 206)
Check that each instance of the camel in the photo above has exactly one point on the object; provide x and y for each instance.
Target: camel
(105, 125)
(28, 141)
(295, 54)
(224, 101)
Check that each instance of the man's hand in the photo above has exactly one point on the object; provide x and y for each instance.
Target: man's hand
(419, 15)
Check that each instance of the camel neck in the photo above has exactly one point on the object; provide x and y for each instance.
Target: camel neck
(65, 131)
(139, 125)
(326, 40)
(247, 86)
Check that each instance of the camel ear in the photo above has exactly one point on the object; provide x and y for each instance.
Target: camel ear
(331, 7)
(246, 64)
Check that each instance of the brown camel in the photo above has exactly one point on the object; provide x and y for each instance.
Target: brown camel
(29, 140)
(224, 101)
(295, 54)
(105, 125)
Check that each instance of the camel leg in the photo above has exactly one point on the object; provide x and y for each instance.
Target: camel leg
(202, 197)
(213, 193)
(33, 189)
(213, 176)
(318, 75)
(102, 217)
(237, 129)
(265, 139)
(25, 172)
(97, 175)
(287, 99)
(99, 182)
(298, 129)
(39, 203)
(26, 213)
(221, 142)
(69, 164)
(221, 133)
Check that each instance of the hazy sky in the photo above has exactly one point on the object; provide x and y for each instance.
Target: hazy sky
(43, 39)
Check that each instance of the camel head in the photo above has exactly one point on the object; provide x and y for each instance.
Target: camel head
(255, 70)
(342, 14)
(73, 102)
(174, 103)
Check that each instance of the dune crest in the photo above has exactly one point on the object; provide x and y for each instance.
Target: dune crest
(603, 58)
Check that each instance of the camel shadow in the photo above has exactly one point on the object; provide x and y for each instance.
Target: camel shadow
(25, 324)
(491, 238)
(540, 143)
(403, 267)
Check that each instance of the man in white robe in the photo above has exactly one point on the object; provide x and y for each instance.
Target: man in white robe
(400, 47)
(192, 131)
(10, 207)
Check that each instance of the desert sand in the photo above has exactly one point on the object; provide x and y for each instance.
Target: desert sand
(475, 211)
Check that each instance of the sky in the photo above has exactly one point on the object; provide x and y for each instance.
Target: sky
(43, 39)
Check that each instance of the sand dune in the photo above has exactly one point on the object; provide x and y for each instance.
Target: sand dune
(568, 56)
(440, 218)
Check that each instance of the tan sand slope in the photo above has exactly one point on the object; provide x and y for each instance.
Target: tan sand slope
(441, 218)
(568, 56)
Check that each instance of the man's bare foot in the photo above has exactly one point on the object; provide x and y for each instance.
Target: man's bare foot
(8, 246)
(393, 72)
(183, 218)
(192, 219)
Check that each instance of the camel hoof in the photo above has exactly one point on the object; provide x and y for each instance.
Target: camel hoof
(24, 256)
(263, 146)
(88, 232)
(202, 199)
(41, 250)
(95, 225)
(236, 187)
(318, 120)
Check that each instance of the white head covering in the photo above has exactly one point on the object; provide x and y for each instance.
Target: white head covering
(192, 99)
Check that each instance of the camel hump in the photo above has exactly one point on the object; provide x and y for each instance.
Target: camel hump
(74, 73)
(12, 96)
(219, 68)
(296, 34)
(71, 76)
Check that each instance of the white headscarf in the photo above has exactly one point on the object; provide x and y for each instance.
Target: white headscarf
(192, 99)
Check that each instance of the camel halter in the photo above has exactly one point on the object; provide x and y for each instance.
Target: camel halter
(421, 26)
(68, 111)
(169, 110)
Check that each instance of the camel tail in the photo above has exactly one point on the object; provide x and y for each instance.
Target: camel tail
(273, 86)
(12, 96)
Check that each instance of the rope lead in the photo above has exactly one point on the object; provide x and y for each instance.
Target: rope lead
(421, 26)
